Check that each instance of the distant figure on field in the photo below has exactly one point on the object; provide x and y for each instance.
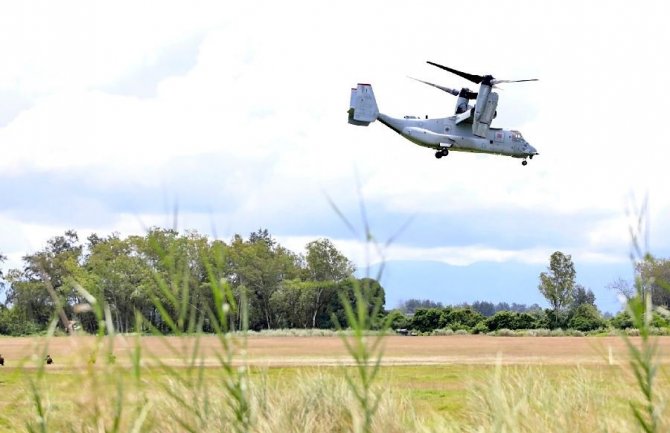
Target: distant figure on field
(49, 360)
(2, 360)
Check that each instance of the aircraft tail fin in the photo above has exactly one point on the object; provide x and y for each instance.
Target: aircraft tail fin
(363, 106)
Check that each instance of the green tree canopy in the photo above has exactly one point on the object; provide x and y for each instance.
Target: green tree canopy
(557, 285)
(656, 272)
(326, 263)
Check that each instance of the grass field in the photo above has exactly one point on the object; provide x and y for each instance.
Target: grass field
(451, 383)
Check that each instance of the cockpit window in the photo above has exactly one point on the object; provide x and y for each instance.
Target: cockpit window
(516, 136)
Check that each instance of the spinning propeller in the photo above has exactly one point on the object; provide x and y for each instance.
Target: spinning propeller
(487, 80)
(463, 93)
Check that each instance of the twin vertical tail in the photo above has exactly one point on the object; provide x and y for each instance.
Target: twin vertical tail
(363, 106)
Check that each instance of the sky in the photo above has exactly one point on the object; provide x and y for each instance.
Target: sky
(116, 116)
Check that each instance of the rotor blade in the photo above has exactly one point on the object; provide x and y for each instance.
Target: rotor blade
(513, 81)
(470, 77)
(446, 89)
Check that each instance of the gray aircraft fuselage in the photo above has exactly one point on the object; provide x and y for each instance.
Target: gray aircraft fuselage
(445, 133)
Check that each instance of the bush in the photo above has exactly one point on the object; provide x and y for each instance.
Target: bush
(586, 318)
(658, 321)
(460, 318)
(502, 320)
(525, 321)
(12, 324)
(622, 320)
(426, 319)
(539, 332)
(398, 320)
(480, 328)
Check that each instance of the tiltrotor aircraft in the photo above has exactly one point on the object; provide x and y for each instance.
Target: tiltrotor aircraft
(468, 130)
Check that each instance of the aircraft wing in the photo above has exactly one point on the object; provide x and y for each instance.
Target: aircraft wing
(463, 116)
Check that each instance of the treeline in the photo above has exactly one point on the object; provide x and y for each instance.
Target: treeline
(163, 274)
(482, 317)
(484, 307)
(583, 318)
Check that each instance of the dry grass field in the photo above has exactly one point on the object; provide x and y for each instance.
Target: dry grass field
(279, 351)
(437, 383)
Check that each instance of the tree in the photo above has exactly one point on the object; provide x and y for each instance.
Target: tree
(45, 285)
(582, 296)
(2, 283)
(326, 263)
(485, 308)
(119, 275)
(557, 285)
(373, 294)
(410, 306)
(2, 259)
(657, 273)
(260, 265)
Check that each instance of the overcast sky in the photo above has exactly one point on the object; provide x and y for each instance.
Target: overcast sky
(114, 114)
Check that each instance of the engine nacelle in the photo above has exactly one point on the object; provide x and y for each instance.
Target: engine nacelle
(485, 112)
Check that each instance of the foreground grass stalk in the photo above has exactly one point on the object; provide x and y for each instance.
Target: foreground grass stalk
(367, 356)
(194, 401)
(643, 361)
(38, 392)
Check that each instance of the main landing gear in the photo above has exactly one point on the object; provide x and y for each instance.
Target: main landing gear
(440, 153)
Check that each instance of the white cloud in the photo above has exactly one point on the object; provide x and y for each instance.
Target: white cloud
(268, 94)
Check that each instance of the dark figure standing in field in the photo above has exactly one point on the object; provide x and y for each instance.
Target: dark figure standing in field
(49, 360)
(2, 360)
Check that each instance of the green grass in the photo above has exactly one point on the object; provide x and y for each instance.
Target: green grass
(459, 397)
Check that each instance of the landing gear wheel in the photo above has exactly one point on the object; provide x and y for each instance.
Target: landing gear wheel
(438, 154)
(524, 162)
(445, 152)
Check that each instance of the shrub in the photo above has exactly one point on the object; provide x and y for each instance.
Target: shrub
(658, 321)
(502, 320)
(426, 319)
(525, 321)
(586, 318)
(540, 332)
(398, 320)
(622, 320)
(12, 324)
(460, 318)
(480, 328)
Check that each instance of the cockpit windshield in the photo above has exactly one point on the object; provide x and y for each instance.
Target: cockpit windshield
(516, 136)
